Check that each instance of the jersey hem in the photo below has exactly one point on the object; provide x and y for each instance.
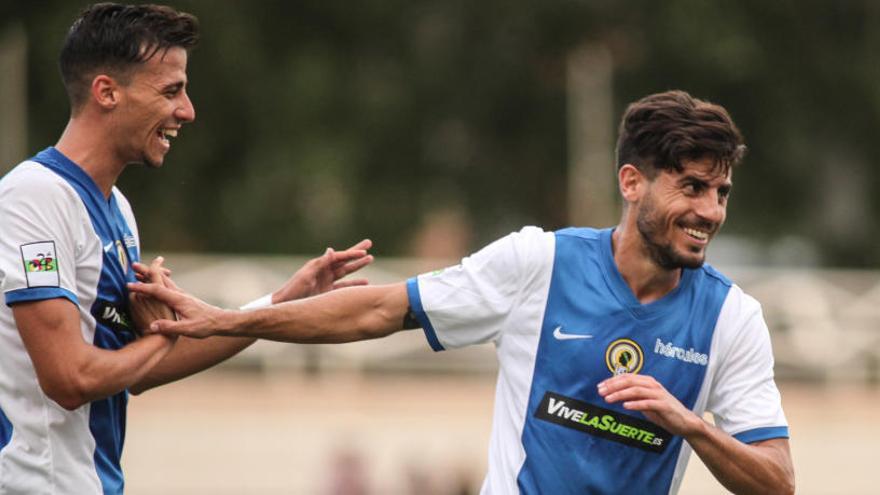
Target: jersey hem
(759, 434)
(39, 294)
(415, 302)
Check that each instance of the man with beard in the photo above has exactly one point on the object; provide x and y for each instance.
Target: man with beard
(612, 343)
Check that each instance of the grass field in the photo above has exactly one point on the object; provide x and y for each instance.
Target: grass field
(227, 432)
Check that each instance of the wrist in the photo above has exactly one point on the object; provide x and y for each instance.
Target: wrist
(229, 322)
(695, 427)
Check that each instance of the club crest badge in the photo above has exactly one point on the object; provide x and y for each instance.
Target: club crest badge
(624, 356)
(123, 257)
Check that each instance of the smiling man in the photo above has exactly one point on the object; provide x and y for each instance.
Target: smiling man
(69, 350)
(612, 343)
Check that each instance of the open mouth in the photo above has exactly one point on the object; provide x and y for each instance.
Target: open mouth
(165, 135)
(698, 235)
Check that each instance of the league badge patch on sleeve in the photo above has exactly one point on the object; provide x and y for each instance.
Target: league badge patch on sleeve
(40, 264)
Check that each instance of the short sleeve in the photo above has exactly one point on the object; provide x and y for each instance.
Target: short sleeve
(37, 236)
(470, 302)
(744, 398)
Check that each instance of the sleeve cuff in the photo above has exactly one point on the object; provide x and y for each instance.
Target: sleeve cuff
(39, 294)
(759, 434)
(263, 302)
(415, 302)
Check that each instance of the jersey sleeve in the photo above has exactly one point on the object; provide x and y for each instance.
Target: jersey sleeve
(744, 399)
(469, 303)
(37, 238)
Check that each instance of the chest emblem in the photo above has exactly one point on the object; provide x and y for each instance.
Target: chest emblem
(123, 258)
(624, 356)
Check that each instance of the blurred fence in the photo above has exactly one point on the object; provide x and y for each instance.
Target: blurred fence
(825, 324)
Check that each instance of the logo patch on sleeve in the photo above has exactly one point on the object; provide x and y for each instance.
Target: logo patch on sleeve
(40, 264)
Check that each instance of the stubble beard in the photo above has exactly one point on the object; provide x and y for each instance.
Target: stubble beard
(651, 228)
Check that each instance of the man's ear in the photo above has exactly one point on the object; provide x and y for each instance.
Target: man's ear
(632, 183)
(105, 91)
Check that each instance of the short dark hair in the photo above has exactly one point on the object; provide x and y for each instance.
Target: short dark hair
(116, 38)
(661, 131)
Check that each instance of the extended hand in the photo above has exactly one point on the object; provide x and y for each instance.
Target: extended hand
(323, 273)
(644, 393)
(146, 310)
(197, 318)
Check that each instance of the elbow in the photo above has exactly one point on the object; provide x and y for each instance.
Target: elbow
(69, 394)
(787, 485)
(67, 398)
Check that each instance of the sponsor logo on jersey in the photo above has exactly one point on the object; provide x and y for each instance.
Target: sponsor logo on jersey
(624, 356)
(603, 423)
(686, 355)
(115, 317)
(40, 264)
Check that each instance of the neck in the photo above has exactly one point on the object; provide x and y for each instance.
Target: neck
(86, 146)
(646, 279)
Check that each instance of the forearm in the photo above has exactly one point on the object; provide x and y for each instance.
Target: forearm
(763, 467)
(190, 356)
(98, 373)
(344, 315)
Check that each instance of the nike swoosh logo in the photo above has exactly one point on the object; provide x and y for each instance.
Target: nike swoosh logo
(559, 335)
(109, 246)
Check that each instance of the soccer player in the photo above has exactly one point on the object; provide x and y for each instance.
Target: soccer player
(611, 342)
(69, 350)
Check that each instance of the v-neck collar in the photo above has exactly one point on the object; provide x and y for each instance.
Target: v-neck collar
(622, 291)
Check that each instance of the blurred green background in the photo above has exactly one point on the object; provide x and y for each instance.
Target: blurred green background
(434, 127)
(322, 122)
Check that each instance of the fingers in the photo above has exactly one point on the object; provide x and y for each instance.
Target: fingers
(144, 273)
(168, 282)
(644, 405)
(633, 393)
(347, 255)
(160, 292)
(363, 245)
(167, 327)
(353, 266)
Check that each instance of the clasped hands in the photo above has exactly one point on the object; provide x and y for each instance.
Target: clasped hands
(321, 274)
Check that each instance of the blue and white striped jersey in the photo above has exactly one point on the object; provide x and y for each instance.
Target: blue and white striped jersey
(563, 319)
(61, 238)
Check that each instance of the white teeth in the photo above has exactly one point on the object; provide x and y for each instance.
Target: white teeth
(167, 133)
(697, 233)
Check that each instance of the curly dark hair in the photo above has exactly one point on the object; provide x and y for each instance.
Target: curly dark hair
(114, 39)
(663, 130)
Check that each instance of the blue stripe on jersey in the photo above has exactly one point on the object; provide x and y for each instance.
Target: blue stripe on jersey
(107, 424)
(759, 434)
(113, 323)
(5, 430)
(589, 296)
(39, 294)
(415, 302)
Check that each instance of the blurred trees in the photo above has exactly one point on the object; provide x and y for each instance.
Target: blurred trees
(323, 122)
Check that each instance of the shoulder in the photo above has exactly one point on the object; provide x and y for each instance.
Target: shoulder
(709, 274)
(35, 184)
(741, 304)
(585, 233)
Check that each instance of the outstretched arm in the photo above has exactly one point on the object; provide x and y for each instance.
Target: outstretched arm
(760, 467)
(190, 356)
(344, 315)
